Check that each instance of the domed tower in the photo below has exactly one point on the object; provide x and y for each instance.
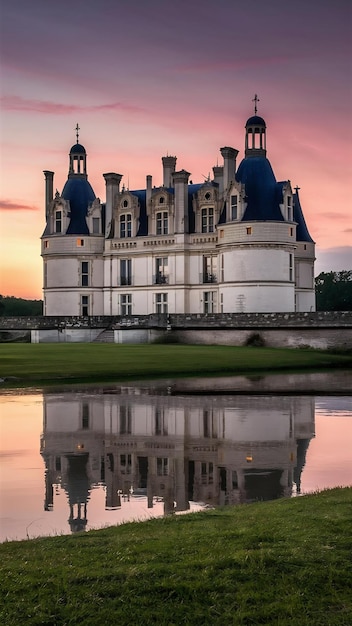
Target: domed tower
(73, 242)
(257, 240)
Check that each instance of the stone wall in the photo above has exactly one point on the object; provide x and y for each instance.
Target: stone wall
(322, 330)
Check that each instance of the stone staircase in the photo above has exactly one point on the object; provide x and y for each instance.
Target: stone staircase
(106, 336)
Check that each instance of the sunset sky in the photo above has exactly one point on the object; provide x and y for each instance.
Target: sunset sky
(146, 78)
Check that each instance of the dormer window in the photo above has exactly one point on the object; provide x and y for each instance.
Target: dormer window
(234, 207)
(289, 208)
(125, 204)
(162, 223)
(125, 225)
(58, 221)
(161, 200)
(208, 220)
(207, 196)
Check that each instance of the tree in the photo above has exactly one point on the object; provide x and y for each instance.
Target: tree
(334, 291)
(13, 307)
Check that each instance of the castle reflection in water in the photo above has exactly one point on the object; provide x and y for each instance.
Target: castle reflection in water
(213, 450)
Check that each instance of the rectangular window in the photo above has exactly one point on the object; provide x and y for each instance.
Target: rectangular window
(249, 230)
(162, 466)
(291, 232)
(291, 268)
(80, 243)
(96, 225)
(58, 221)
(222, 268)
(208, 220)
(161, 303)
(289, 208)
(85, 416)
(46, 245)
(85, 306)
(126, 304)
(125, 226)
(125, 420)
(161, 270)
(126, 272)
(234, 213)
(221, 303)
(160, 422)
(209, 301)
(162, 223)
(210, 269)
(125, 463)
(84, 273)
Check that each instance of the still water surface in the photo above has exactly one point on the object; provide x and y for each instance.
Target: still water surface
(79, 460)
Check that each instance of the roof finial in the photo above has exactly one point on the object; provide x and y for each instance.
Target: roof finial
(255, 100)
(77, 129)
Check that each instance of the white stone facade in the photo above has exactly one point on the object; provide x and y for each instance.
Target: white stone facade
(237, 243)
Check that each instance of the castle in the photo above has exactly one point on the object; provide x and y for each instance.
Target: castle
(236, 243)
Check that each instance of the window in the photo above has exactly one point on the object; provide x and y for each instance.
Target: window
(161, 303)
(96, 225)
(221, 303)
(80, 243)
(58, 221)
(46, 244)
(125, 225)
(85, 416)
(208, 220)
(209, 269)
(291, 268)
(209, 301)
(234, 208)
(125, 204)
(222, 268)
(162, 466)
(249, 230)
(160, 422)
(161, 270)
(85, 306)
(125, 272)
(291, 231)
(161, 200)
(162, 223)
(126, 304)
(125, 463)
(289, 208)
(84, 273)
(45, 274)
(209, 428)
(125, 420)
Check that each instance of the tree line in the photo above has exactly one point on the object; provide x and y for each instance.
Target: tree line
(333, 292)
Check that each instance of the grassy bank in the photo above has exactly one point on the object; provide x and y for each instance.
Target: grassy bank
(282, 562)
(46, 363)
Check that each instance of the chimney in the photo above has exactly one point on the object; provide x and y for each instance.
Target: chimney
(112, 184)
(218, 172)
(180, 182)
(49, 190)
(169, 166)
(229, 155)
(148, 195)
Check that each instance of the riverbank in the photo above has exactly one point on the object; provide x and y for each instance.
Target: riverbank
(281, 562)
(45, 364)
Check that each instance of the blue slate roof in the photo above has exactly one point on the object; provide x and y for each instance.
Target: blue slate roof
(80, 195)
(302, 233)
(77, 147)
(255, 120)
(263, 194)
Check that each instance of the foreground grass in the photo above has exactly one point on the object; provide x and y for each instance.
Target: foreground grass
(283, 562)
(45, 363)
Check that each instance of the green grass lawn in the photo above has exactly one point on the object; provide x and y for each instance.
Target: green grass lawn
(282, 562)
(45, 363)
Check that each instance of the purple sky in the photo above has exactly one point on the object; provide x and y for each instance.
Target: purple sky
(146, 78)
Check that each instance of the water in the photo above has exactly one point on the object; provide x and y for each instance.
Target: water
(75, 460)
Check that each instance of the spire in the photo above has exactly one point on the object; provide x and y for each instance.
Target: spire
(77, 129)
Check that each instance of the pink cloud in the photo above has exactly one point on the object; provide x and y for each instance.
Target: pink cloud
(16, 103)
(333, 216)
(233, 64)
(8, 205)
